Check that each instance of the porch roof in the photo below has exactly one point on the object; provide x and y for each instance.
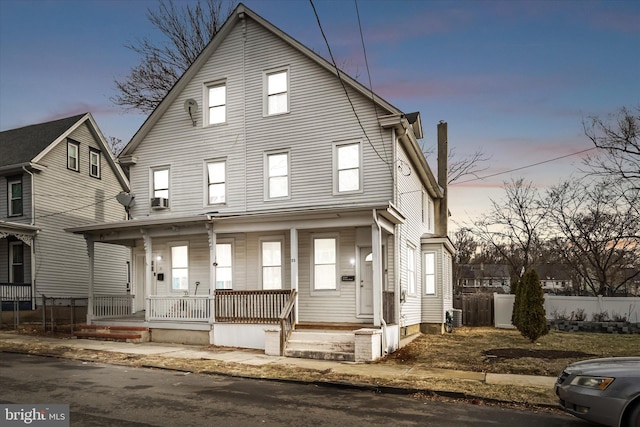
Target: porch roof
(15, 227)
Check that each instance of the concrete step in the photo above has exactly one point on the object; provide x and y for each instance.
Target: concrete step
(133, 334)
(322, 345)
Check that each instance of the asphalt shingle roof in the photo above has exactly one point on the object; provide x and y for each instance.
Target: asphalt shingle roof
(21, 145)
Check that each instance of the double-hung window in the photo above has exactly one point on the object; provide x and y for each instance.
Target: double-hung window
(224, 268)
(15, 197)
(94, 163)
(16, 262)
(161, 182)
(325, 263)
(277, 167)
(277, 92)
(348, 174)
(411, 270)
(73, 154)
(217, 103)
(216, 182)
(430, 273)
(179, 268)
(271, 254)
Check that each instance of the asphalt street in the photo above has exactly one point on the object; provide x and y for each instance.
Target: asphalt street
(111, 395)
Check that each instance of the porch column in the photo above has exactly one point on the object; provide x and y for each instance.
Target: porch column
(376, 248)
(294, 266)
(148, 272)
(213, 270)
(91, 254)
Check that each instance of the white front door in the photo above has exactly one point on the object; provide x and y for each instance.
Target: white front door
(138, 286)
(365, 288)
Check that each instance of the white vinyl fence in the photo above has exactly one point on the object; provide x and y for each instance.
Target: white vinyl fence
(556, 305)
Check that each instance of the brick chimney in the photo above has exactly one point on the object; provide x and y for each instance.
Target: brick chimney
(442, 227)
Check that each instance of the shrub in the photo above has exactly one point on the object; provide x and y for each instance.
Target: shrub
(560, 315)
(580, 315)
(618, 317)
(603, 316)
(528, 307)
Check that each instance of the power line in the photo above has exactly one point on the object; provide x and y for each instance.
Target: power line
(523, 167)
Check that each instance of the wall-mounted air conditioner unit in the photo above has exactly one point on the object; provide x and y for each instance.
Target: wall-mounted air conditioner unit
(159, 203)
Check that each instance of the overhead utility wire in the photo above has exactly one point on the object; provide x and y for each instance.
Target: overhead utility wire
(71, 210)
(523, 167)
(343, 86)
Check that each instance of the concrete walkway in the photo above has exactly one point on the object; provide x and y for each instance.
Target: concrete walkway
(256, 358)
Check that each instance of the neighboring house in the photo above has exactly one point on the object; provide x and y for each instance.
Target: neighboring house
(485, 278)
(554, 278)
(56, 175)
(261, 198)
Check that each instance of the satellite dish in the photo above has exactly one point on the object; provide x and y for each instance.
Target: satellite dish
(126, 199)
(191, 107)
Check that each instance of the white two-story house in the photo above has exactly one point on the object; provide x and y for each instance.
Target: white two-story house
(272, 194)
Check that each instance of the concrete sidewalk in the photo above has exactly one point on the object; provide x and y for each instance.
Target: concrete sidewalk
(256, 358)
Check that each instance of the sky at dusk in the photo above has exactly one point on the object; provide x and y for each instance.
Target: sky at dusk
(513, 78)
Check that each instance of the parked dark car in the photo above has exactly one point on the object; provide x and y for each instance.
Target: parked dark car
(605, 391)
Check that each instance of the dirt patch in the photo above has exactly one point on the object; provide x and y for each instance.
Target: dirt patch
(516, 353)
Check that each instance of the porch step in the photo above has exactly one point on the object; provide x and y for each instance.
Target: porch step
(323, 345)
(133, 334)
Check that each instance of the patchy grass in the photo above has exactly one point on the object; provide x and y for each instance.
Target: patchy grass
(505, 351)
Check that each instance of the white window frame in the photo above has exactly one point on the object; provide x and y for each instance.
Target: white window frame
(221, 266)
(314, 281)
(153, 190)
(267, 94)
(173, 246)
(11, 199)
(268, 177)
(76, 146)
(272, 239)
(430, 283)
(411, 270)
(12, 263)
(207, 101)
(337, 167)
(209, 183)
(95, 159)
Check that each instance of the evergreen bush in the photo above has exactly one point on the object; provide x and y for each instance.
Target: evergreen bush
(528, 308)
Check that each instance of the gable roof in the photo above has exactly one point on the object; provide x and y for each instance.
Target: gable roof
(242, 12)
(22, 145)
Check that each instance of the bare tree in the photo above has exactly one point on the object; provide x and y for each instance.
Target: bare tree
(459, 167)
(513, 227)
(187, 30)
(618, 136)
(466, 246)
(597, 231)
(115, 144)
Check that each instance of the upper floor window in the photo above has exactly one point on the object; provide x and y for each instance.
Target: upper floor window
(277, 92)
(411, 270)
(179, 268)
(430, 273)
(73, 154)
(347, 168)
(94, 163)
(216, 182)
(16, 262)
(277, 167)
(15, 197)
(161, 183)
(224, 268)
(325, 255)
(271, 254)
(217, 103)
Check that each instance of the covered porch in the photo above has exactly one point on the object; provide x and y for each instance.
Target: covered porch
(17, 266)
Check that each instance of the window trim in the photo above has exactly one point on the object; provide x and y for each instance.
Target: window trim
(10, 182)
(265, 89)
(206, 110)
(231, 243)
(76, 144)
(336, 170)
(270, 239)
(152, 182)
(267, 177)
(98, 155)
(411, 274)
(426, 274)
(179, 245)
(207, 183)
(336, 238)
(13, 244)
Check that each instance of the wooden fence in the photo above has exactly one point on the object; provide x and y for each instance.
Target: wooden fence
(477, 309)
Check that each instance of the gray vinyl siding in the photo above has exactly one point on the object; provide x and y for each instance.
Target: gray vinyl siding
(319, 116)
(432, 307)
(66, 198)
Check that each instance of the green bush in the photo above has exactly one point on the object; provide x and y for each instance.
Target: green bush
(528, 308)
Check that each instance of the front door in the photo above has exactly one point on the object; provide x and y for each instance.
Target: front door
(365, 288)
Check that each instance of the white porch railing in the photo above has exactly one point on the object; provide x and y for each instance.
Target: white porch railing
(180, 308)
(112, 305)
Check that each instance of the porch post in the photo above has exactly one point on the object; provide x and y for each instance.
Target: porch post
(212, 271)
(148, 272)
(91, 254)
(376, 248)
(294, 266)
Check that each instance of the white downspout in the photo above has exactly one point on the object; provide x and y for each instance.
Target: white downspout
(32, 249)
(378, 262)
